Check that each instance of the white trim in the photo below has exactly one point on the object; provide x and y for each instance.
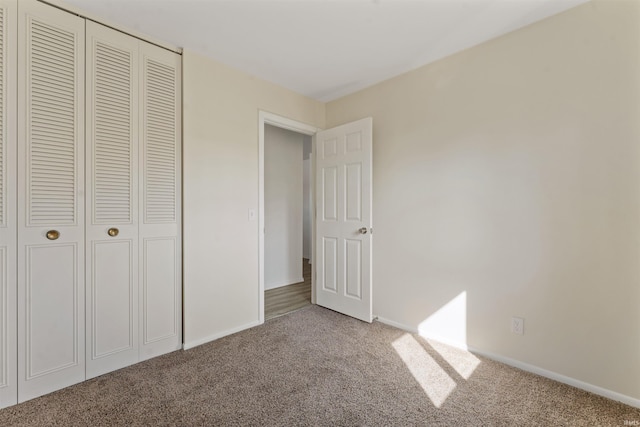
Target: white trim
(284, 123)
(284, 283)
(395, 324)
(456, 344)
(610, 394)
(312, 184)
(196, 343)
(288, 124)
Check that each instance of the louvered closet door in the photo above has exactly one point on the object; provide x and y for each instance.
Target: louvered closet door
(8, 226)
(160, 251)
(112, 202)
(51, 300)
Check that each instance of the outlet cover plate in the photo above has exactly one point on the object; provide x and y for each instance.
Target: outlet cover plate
(517, 325)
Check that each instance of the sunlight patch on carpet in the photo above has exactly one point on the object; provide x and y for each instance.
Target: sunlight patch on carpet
(462, 361)
(435, 382)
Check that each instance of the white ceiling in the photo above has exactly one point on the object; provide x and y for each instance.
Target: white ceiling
(324, 49)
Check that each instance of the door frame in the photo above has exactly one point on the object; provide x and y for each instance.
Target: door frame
(266, 118)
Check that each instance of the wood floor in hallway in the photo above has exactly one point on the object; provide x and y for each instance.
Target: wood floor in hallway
(289, 298)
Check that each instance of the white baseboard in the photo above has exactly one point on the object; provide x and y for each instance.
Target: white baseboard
(610, 394)
(196, 343)
(443, 340)
(283, 283)
(395, 324)
(613, 395)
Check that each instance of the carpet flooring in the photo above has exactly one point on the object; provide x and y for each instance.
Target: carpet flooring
(315, 367)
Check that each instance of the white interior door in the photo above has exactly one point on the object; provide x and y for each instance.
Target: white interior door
(160, 252)
(8, 226)
(343, 219)
(112, 202)
(50, 199)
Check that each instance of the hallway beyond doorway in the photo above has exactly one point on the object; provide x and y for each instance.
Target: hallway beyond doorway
(289, 298)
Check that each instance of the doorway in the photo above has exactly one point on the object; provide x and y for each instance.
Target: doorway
(287, 283)
(287, 221)
(342, 220)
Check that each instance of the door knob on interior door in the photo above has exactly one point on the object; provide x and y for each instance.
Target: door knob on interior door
(363, 230)
(113, 232)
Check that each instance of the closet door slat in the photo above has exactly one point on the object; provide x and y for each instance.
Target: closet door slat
(112, 200)
(160, 251)
(51, 332)
(8, 234)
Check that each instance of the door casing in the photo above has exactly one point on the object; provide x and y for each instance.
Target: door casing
(266, 118)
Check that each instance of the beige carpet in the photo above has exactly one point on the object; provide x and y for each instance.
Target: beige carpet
(318, 368)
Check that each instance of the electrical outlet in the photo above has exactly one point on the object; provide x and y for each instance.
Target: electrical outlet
(517, 325)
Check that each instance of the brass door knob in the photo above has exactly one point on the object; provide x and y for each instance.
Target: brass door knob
(113, 232)
(53, 234)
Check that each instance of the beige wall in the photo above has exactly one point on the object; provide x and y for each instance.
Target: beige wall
(220, 181)
(507, 183)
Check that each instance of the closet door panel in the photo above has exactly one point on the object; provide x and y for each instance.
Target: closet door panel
(50, 199)
(160, 314)
(112, 287)
(51, 346)
(8, 227)
(161, 272)
(112, 202)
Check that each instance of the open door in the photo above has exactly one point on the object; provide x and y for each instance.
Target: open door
(343, 219)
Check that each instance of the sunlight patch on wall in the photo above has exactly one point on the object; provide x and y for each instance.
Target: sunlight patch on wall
(435, 382)
(449, 323)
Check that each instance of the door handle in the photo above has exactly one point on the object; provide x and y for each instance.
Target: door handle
(363, 230)
(113, 232)
(53, 234)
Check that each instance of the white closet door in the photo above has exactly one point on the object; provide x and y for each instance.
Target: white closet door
(51, 316)
(160, 252)
(8, 226)
(112, 202)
